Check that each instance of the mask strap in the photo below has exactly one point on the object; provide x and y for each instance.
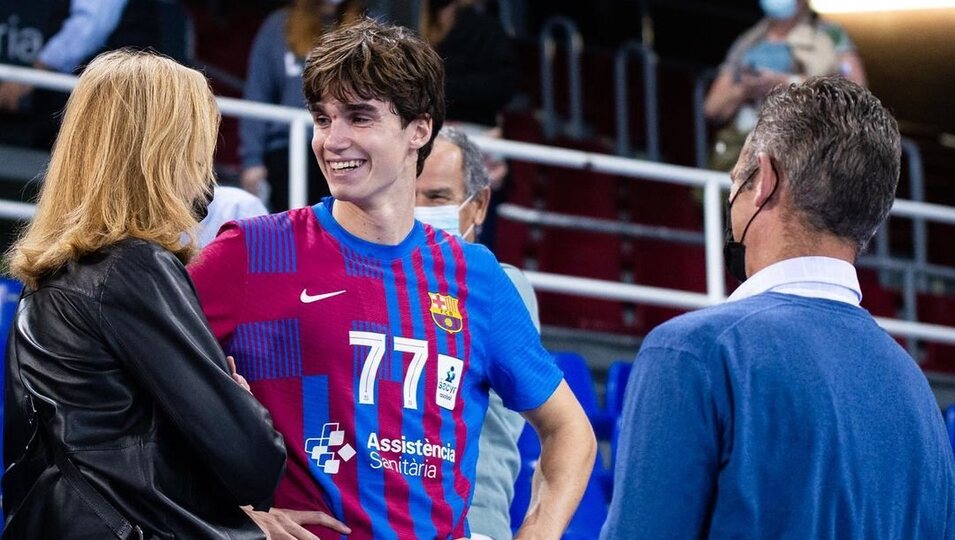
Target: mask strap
(760, 209)
(466, 201)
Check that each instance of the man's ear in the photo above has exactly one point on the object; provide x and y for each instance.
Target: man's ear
(482, 200)
(766, 181)
(421, 131)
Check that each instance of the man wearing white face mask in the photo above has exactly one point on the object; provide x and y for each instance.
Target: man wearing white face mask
(452, 194)
(790, 44)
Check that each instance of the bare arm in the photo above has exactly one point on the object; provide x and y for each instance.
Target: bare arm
(724, 98)
(567, 457)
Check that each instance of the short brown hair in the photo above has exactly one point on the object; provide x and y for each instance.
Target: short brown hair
(840, 151)
(371, 60)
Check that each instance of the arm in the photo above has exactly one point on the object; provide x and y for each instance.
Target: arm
(261, 85)
(668, 455)
(219, 274)
(84, 32)
(152, 319)
(724, 98)
(568, 448)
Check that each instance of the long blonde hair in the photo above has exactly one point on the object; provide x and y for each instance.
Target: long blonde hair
(134, 152)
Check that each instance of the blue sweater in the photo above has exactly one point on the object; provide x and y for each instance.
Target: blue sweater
(274, 76)
(780, 417)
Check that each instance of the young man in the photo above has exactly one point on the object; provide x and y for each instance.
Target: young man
(787, 412)
(452, 194)
(373, 339)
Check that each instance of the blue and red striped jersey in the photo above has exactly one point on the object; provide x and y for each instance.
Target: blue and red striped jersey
(375, 362)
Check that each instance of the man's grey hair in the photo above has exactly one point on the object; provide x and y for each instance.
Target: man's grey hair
(475, 173)
(839, 151)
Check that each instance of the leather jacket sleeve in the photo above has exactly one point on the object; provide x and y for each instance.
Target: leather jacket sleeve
(151, 316)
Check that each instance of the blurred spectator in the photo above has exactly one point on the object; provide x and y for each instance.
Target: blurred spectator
(790, 44)
(481, 77)
(479, 63)
(228, 204)
(61, 36)
(275, 76)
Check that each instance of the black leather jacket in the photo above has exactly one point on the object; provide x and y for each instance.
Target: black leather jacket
(126, 375)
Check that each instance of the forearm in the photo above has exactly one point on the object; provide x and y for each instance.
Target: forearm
(723, 100)
(567, 458)
(84, 32)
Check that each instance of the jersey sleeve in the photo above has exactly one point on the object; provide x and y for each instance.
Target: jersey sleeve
(220, 275)
(521, 371)
(668, 451)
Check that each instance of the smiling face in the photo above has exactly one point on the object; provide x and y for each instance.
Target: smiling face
(366, 155)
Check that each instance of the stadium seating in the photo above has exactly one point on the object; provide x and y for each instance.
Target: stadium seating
(878, 300)
(578, 377)
(617, 376)
(937, 309)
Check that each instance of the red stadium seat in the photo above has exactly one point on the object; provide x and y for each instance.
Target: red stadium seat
(878, 300)
(937, 309)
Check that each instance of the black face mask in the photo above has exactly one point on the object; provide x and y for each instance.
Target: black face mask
(200, 207)
(734, 253)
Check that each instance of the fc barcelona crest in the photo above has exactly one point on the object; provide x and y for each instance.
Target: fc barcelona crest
(445, 313)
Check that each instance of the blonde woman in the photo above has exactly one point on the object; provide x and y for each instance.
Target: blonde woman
(122, 418)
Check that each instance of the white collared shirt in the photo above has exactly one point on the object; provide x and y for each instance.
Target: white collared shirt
(812, 277)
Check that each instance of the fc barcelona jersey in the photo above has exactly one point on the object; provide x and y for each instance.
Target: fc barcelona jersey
(374, 361)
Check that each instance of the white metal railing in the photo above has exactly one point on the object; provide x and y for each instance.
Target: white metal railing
(712, 182)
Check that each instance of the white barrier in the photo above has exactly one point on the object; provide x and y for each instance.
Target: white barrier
(712, 182)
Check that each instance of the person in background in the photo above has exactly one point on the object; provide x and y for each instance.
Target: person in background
(275, 76)
(373, 339)
(228, 204)
(452, 194)
(123, 417)
(479, 61)
(481, 74)
(790, 44)
(787, 412)
(61, 36)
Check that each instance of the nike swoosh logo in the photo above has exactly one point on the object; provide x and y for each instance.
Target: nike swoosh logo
(308, 298)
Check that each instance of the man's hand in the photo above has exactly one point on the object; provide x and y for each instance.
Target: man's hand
(11, 93)
(281, 524)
